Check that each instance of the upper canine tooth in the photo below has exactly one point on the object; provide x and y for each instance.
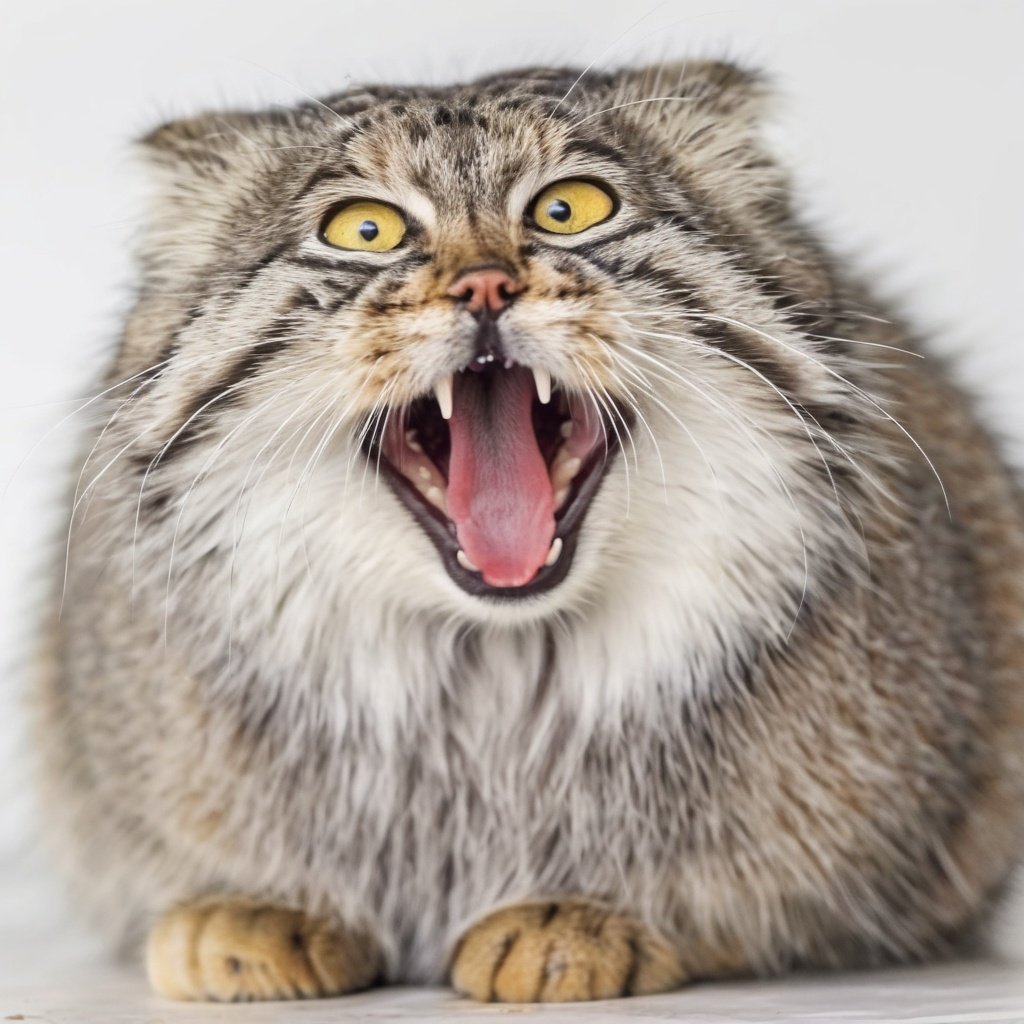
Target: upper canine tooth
(543, 381)
(443, 394)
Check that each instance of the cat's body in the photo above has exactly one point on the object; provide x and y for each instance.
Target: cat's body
(775, 710)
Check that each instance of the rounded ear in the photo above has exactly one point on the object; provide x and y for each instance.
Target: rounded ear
(203, 169)
(208, 144)
(198, 167)
(709, 117)
(709, 87)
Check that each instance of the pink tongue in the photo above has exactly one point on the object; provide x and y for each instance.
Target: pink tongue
(499, 492)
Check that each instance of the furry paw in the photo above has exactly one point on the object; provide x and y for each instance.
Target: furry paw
(234, 950)
(560, 952)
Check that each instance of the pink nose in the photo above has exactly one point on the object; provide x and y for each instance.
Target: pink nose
(490, 289)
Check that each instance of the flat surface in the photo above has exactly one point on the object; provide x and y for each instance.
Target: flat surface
(53, 970)
(951, 993)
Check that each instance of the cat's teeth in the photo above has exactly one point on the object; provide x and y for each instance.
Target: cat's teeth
(556, 550)
(560, 496)
(412, 442)
(564, 468)
(443, 394)
(543, 381)
(436, 498)
(566, 429)
(463, 559)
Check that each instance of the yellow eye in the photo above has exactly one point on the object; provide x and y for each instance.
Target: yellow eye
(568, 207)
(366, 226)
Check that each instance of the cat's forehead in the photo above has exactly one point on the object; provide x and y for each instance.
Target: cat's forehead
(458, 145)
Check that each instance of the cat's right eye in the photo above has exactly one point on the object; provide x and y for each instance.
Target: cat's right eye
(364, 226)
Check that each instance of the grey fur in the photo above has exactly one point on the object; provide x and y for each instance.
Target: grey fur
(776, 708)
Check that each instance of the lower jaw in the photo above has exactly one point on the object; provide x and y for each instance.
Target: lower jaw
(548, 577)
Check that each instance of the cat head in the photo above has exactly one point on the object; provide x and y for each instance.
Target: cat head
(504, 349)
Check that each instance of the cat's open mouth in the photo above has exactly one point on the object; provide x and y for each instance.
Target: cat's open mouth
(499, 470)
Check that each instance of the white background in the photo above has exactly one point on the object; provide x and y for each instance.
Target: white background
(903, 121)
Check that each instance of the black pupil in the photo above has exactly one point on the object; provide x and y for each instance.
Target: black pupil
(559, 210)
(368, 230)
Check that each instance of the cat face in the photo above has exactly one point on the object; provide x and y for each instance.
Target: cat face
(506, 344)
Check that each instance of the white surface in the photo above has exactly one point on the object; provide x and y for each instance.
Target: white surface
(902, 118)
(936, 995)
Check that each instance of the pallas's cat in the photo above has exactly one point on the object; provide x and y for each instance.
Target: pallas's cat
(513, 550)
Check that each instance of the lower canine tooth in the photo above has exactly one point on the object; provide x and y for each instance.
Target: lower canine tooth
(463, 559)
(560, 497)
(556, 550)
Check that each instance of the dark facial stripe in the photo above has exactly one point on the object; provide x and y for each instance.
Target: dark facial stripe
(595, 149)
(344, 170)
(245, 277)
(343, 294)
(749, 351)
(304, 299)
(628, 231)
(803, 312)
(331, 266)
(169, 350)
(827, 462)
(721, 336)
(227, 391)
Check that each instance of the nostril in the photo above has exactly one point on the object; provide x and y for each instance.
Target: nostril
(487, 289)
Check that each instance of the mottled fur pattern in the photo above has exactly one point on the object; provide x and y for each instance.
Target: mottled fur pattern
(776, 709)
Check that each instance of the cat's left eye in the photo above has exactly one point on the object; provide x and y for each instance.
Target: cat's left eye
(364, 226)
(569, 207)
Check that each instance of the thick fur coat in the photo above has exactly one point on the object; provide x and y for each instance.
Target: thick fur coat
(774, 711)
